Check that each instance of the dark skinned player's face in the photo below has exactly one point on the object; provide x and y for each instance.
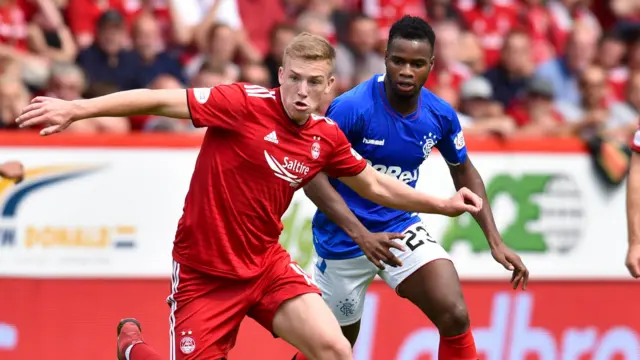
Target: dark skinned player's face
(408, 65)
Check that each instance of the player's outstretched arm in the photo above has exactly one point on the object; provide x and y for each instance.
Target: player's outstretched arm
(374, 245)
(58, 114)
(633, 216)
(391, 192)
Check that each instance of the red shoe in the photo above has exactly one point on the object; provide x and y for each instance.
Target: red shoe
(129, 333)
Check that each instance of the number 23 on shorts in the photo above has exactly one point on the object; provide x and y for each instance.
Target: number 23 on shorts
(414, 237)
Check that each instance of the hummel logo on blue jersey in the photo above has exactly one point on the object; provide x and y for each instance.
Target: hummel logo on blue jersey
(373, 142)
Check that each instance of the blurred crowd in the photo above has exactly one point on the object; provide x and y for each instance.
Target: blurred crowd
(527, 67)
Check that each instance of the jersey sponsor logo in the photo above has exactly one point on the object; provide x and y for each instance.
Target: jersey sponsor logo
(459, 141)
(283, 171)
(315, 150)
(259, 91)
(373, 142)
(396, 172)
(272, 137)
(201, 94)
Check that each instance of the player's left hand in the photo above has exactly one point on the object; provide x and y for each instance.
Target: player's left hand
(512, 262)
(55, 114)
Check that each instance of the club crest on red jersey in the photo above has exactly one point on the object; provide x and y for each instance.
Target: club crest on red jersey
(315, 150)
(187, 344)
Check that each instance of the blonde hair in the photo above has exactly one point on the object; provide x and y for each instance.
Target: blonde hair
(310, 47)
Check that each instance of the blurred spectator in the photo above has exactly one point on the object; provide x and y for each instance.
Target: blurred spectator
(628, 110)
(259, 17)
(107, 60)
(447, 73)
(48, 34)
(516, 67)
(471, 53)
(255, 73)
(316, 24)
(359, 53)
(148, 47)
(479, 114)
(566, 14)
(442, 10)
(281, 35)
(195, 18)
(564, 71)
(83, 17)
(535, 114)
(611, 53)
(210, 76)
(13, 97)
(219, 51)
(158, 9)
(491, 23)
(160, 123)
(633, 55)
(67, 82)
(595, 113)
(537, 21)
(386, 12)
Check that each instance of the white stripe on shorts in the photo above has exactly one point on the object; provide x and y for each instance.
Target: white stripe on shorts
(175, 281)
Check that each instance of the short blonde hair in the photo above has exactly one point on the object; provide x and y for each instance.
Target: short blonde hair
(310, 47)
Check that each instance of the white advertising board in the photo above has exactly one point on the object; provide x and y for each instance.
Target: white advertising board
(102, 212)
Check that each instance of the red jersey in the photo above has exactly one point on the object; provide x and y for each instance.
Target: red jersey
(252, 160)
(491, 25)
(13, 26)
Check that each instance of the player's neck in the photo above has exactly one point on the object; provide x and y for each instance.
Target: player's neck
(403, 105)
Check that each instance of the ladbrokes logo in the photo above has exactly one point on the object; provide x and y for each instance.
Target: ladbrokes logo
(284, 171)
(12, 197)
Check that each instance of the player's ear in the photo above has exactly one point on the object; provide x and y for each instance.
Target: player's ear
(280, 75)
(330, 82)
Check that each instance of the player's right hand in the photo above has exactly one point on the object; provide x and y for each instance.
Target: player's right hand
(55, 114)
(463, 201)
(12, 170)
(633, 260)
(377, 248)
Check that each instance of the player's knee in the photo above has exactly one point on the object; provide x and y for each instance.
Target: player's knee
(455, 320)
(335, 347)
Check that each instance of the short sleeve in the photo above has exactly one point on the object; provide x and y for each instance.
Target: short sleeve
(223, 106)
(343, 112)
(452, 145)
(344, 160)
(635, 144)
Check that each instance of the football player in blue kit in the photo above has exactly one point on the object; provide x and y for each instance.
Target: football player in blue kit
(393, 122)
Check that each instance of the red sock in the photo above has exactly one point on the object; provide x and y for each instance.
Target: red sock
(298, 356)
(143, 351)
(460, 347)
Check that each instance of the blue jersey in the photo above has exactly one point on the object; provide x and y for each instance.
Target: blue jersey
(393, 144)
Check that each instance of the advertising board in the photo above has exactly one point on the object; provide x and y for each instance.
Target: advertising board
(558, 320)
(110, 209)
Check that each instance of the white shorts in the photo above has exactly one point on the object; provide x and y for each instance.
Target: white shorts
(344, 283)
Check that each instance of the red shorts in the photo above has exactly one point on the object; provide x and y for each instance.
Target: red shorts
(206, 310)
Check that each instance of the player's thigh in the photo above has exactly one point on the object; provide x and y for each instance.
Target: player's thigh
(306, 322)
(427, 278)
(206, 313)
(291, 308)
(344, 285)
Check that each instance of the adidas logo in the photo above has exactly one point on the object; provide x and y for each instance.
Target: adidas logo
(272, 137)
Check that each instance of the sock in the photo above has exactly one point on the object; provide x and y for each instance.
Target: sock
(141, 351)
(460, 347)
(299, 356)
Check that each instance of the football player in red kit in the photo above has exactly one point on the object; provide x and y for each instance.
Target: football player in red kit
(261, 146)
(633, 209)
